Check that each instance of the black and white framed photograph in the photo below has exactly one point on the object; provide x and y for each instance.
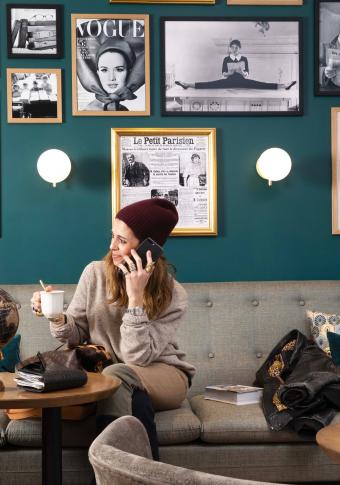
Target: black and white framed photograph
(34, 30)
(34, 95)
(231, 66)
(110, 65)
(177, 164)
(327, 48)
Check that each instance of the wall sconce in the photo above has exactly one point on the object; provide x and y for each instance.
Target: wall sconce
(274, 164)
(54, 166)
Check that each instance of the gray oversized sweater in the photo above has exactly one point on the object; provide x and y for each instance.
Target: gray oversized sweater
(132, 339)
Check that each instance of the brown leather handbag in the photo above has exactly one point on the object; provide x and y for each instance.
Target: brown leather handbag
(89, 357)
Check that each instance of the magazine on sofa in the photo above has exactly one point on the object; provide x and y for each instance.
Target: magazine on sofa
(234, 394)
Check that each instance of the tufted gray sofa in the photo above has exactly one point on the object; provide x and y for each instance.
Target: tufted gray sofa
(229, 330)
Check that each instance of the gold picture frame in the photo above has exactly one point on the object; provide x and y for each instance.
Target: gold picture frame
(335, 137)
(265, 2)
(34, 95)
(178, 164)
(121, 85)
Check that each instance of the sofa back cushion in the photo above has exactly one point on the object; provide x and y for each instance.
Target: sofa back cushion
(229, 329)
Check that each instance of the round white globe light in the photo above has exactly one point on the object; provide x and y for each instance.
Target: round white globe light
(54, 166)
(274, 164)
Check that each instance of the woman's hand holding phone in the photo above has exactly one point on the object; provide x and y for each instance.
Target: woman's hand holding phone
(136, 277)
(149, 244)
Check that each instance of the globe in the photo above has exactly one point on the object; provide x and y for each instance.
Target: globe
(9, 321)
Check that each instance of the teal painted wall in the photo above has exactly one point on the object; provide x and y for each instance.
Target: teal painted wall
(282, 232)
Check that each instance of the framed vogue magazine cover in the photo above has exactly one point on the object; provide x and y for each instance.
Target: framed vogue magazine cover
(34, 95)
(110, 65)
(34, 31)
(178, 164)
(335, 170)
(327, 47)
(231, 66)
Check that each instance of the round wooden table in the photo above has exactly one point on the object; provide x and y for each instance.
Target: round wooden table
(98, 387)
(329, 440)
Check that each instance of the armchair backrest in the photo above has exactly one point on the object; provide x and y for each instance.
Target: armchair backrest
(121, 455)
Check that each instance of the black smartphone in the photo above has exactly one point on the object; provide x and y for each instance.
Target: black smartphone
(146, 245)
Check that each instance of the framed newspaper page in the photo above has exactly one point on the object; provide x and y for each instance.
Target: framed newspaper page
(327, 48)
(34, 95)
(110, 65)
(178, 164)
(335, 170)
(231, 66)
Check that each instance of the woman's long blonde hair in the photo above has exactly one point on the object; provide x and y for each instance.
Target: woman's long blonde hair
(158, 291)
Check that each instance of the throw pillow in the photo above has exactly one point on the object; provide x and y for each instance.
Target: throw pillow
(334, 345)
(11, 355)
(321, 323)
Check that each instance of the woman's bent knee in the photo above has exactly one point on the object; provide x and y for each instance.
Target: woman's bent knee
(125, 373)
(114, 369)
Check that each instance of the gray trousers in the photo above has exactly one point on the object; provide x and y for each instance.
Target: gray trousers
(120, 403)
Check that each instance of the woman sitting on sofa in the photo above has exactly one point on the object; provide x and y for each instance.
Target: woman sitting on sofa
(134, 312)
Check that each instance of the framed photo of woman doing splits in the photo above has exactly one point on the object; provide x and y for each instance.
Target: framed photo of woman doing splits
(231, 66)
(327, 48)
(177, 164)
(110, 65)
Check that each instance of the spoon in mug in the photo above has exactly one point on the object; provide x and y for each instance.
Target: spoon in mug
(42, 284)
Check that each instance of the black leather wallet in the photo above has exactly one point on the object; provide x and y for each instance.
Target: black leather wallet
(37, 377)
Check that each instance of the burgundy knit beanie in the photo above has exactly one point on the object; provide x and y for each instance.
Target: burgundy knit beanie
(153, 218)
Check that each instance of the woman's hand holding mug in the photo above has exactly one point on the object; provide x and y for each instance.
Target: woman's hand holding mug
(49, 303)
(36, 301)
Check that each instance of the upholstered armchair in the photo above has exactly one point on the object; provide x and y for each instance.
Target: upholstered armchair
(121, 455)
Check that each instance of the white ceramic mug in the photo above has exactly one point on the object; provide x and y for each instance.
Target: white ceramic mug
(52, 303)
